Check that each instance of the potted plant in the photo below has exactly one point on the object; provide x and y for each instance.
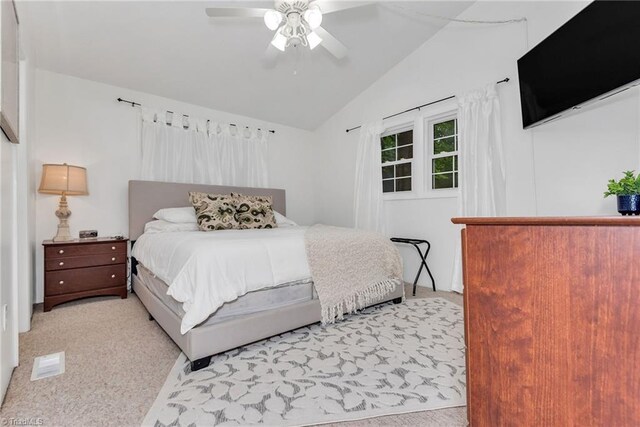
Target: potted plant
(627, 191)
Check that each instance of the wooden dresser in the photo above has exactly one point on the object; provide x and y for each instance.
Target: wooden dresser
(552, 321)
(84, 268)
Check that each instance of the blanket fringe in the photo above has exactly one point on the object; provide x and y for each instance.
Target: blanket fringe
(354, 302)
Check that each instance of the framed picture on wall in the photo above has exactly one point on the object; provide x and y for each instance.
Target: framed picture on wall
(9, 71)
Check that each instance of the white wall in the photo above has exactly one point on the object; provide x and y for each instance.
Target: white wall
(81, 123)
(557, 169)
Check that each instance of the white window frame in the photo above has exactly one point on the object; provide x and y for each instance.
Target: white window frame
(429, 156)
(422, 147)
(400, 195)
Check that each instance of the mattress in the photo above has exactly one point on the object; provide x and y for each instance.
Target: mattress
(250, 303)
(206, 270)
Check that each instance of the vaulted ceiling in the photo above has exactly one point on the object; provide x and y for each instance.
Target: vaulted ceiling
(172, 49)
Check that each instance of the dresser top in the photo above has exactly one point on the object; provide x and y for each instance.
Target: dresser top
(552, 220)
(83, 241)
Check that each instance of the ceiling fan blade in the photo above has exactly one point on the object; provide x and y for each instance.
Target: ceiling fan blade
(235, 12)
(328, 6)
(331, 43)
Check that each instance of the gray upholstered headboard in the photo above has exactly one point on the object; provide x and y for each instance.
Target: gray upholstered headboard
(146, 197)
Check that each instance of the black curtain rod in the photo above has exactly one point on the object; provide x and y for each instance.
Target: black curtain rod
(135, 104)
(505, 80)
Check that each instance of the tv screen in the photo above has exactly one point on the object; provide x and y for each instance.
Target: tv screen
(594, 53)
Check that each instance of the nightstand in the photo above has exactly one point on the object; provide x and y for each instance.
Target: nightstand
(76, 269)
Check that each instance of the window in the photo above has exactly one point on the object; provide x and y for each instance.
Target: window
(419, 155)
(443, 153)
(397, 161)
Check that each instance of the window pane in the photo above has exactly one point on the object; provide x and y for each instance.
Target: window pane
(389, 155)
(445, 145)
(387, 172)
(405, 152)
(455, 163)
(443, 164)
(403, 184)
(403, 169)
(447, 128)
(388, 141)
(387, 186)
(455, 179)
(443, 181)
(405, 138)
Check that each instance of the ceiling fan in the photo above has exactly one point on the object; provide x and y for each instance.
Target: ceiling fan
(295, 22)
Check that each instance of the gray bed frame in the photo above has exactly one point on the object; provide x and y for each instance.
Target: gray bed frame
(202, 342)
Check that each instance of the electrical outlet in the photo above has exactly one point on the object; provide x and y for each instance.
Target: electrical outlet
(5, 308)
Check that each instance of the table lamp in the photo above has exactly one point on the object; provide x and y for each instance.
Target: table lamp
(65, 180)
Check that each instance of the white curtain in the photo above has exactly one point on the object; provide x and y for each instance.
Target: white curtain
(201, 151)
(482, 165)
(368, 207)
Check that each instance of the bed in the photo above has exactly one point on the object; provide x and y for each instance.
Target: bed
(252, 317)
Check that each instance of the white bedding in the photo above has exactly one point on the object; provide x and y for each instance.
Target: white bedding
(206, 269)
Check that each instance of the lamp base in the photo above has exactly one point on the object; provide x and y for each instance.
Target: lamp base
(63, 234)
(63, 213)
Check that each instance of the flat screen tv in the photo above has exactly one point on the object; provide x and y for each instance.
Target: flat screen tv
(591, 57)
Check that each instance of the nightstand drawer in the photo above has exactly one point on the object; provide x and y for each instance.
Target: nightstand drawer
(63, 251)
(84, 261)
(83, 279)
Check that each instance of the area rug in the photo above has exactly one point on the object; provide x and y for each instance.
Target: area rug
(389, 359)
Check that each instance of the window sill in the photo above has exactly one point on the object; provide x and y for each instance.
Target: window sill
(413, 196)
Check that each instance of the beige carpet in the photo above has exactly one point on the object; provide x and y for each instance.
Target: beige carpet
(116, 363)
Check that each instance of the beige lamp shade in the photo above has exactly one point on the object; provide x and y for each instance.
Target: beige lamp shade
(63, 179)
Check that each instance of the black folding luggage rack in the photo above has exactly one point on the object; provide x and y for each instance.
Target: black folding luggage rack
(416, 244)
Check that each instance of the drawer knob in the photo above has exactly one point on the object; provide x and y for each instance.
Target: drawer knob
(61, 282)
(61, 263)
(113, 276)
(113, 258)
(61, 251)
(113, 248)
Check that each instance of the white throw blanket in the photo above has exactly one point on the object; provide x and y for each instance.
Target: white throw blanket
(350, 268)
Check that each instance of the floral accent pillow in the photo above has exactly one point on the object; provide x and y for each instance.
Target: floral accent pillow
(254, 211)
(214, 211)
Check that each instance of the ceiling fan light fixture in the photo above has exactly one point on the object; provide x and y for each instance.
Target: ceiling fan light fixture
(313, 16)
(314, 39)
(279, 41)
(296, 41)
(295, 23)
(272, 19)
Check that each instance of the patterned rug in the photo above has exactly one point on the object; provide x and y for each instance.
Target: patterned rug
(389, 359)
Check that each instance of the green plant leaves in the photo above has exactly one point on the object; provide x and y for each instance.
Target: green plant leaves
(628, 185)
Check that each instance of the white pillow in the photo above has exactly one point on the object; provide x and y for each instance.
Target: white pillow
(177, 215)
(160, 226)
(283, 221)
